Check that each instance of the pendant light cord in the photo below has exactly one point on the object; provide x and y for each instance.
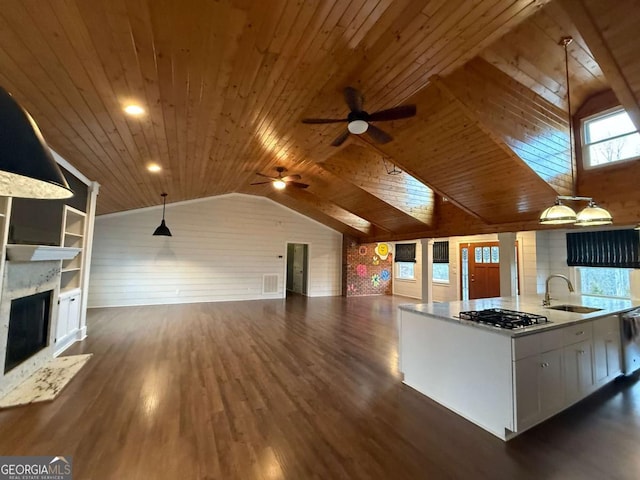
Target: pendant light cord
(164, 204)
(566, 41)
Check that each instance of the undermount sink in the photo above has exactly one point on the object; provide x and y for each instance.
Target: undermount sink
(575, 308)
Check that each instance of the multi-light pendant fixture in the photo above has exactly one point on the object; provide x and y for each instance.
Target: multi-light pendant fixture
(559, 213)
(163, 230)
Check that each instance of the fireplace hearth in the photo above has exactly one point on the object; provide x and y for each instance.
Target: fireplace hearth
(29, 321)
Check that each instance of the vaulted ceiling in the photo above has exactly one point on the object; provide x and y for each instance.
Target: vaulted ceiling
(226, 83)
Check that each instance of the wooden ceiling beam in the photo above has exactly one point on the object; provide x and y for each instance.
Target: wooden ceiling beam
(606, 56)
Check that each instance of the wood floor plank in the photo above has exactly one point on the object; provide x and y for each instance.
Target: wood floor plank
(303, 388)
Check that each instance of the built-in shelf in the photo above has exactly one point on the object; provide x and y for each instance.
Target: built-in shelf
(73, 226)
(66, 270)
(40, 253)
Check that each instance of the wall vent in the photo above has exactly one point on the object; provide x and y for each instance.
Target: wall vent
(270, 283)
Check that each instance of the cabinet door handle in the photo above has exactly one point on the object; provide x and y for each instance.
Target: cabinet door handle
(544, 364)
(580, 352)
(581, 332)
(73, 299)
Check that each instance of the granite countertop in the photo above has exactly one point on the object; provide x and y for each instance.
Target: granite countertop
(526, 303)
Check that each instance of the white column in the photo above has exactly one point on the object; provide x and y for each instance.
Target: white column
(508, 264)
(426, 244)
(94, 188)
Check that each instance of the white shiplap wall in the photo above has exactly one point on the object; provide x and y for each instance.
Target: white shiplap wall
(220, 250)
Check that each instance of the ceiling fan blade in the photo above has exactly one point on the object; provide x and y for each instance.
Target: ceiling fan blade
(260, 183)
(395, 113)
(297, 184)
(378, 135)
(266, 176)
(340, 139)
(291, 177)
(354, 99)
(324, 120)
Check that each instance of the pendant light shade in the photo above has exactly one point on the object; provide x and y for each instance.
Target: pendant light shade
(558, 214)
(27, 168)
(163, 230)
(593, 215)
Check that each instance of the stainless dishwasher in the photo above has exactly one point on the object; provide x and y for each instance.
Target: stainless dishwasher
(630, 333)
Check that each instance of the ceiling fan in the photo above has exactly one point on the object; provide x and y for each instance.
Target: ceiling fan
(281, 182)
(359, 121)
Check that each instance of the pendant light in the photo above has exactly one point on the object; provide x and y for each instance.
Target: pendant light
(27, 168)
(163, 230)
(560, 214)
(593, 215)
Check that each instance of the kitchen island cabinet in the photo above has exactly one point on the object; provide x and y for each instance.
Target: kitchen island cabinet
(507, 381)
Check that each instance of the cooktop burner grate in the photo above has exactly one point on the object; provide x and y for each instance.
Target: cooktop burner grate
(502, 318)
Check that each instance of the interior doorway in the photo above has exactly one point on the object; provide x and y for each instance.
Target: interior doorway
(297, 268)
(480, 268)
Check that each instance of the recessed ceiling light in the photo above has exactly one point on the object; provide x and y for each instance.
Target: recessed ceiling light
(133, 109)
(154, 167)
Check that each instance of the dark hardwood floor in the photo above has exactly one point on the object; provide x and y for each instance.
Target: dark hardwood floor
(295, 389)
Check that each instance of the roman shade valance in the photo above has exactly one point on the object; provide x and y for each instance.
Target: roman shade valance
(441, 252)
(610, 248)
(405, 252)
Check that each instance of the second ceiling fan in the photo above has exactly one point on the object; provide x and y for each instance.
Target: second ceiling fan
(359, 121)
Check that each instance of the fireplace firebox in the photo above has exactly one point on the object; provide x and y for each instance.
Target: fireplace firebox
(28, 328)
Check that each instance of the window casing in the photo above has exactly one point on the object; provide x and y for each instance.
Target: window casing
(609, 137)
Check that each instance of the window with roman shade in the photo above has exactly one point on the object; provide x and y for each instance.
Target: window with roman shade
(405, 252)
(441, 252)
(610, 248)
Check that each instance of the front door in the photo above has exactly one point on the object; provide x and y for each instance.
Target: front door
(484, 270)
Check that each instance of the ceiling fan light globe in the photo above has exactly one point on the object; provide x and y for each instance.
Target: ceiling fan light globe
(357, 127)
(279, 184)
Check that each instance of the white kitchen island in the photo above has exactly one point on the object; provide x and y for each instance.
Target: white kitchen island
(506, 381)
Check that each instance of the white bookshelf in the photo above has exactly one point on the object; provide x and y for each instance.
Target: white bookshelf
(73, 235)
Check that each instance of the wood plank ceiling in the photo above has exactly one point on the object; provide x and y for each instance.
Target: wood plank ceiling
(226, 83)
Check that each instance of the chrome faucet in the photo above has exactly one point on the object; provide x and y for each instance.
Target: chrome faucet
(547, 298)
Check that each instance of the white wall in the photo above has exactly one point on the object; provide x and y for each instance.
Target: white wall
(220, 250)
(409, 288)
(527, 262)
(551, 250)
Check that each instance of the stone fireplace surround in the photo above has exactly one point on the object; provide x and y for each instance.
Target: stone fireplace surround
(22, 279)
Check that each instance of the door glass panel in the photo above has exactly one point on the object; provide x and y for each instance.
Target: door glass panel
(465, 274)
(486, 257)
(495, 254)
(478, 254)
